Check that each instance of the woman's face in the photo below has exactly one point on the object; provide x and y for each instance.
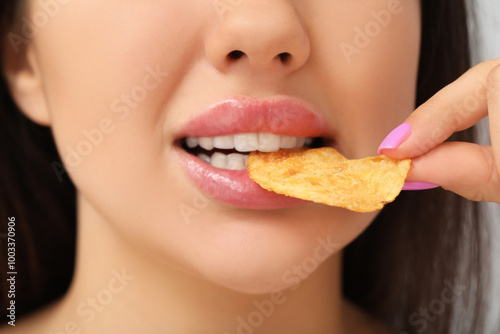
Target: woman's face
(125, 82)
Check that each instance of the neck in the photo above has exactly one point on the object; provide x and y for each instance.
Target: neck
(118, 286)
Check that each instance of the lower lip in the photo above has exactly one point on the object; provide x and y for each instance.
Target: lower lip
(232, 187)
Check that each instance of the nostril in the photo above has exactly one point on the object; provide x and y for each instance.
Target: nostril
(284, 57)
(235, 55)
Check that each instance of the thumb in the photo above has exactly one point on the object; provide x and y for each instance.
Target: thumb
(464, 168)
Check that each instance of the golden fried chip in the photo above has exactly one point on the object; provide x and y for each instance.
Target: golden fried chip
(323, 175)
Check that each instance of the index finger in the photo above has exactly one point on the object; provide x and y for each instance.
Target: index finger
(456, 107)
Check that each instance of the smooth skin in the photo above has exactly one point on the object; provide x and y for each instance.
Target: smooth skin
(203, 275)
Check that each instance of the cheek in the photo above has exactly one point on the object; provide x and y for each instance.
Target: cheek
(107, 67)
(116, 61)
(370, 54)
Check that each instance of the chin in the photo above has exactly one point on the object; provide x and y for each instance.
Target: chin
(258, 253)
(260, 276)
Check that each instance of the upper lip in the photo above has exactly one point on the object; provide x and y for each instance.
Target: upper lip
(278, 115)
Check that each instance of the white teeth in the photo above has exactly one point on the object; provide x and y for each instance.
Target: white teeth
(206, 142)
(243, 142)
(300, 142)
(269, 142)
(192, 142)
(224, 142)
(288, 142)
(219, 160)
(235, 161)
(204, 157)
(246, 142)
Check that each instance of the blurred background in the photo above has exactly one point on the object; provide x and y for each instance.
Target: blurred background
(488, 25)
(487, 45)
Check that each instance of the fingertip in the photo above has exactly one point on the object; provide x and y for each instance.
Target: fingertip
(413, 185)
(386, 151)
(395, 138)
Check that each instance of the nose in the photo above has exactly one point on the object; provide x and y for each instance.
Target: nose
(260, 34)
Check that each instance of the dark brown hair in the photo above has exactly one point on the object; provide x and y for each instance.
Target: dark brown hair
(43, 207)
(415, 249)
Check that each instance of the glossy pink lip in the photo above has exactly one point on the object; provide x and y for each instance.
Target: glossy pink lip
(278, 115)
(232, 187)
(245, 115)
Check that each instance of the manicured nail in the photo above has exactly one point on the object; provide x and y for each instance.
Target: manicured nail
(395, 138)
(419, 186)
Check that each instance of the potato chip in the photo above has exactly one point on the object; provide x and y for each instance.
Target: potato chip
(323, 175)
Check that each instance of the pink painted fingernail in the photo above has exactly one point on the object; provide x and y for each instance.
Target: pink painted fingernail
(395, 138)
(419, 186)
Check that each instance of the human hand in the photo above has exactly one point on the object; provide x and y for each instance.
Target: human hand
(470, 170)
